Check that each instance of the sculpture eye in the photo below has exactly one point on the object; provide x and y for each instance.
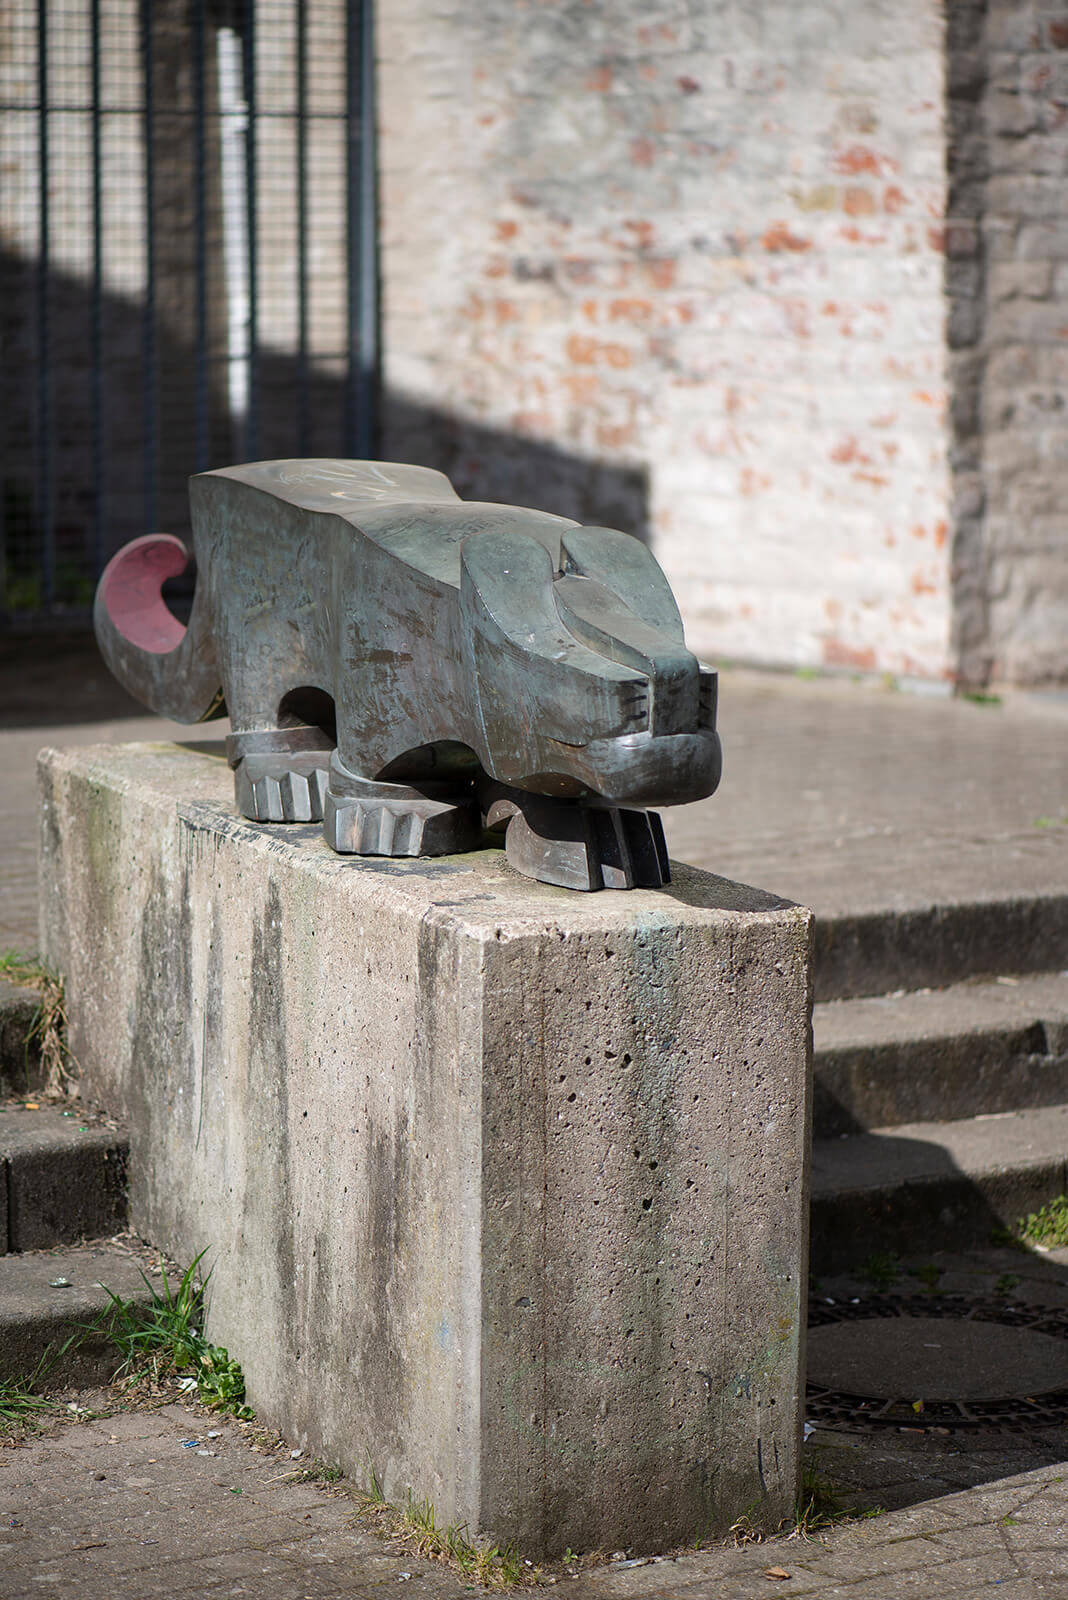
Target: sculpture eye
(708, 693)
(638, 708)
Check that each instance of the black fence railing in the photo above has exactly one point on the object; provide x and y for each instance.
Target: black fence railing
(187, 266)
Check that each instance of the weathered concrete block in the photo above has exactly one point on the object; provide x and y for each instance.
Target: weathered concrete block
(505, 1187)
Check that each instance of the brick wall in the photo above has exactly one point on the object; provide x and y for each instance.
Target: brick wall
(1008, 283)
(699, 246)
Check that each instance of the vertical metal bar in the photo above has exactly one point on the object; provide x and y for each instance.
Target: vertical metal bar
(302, 230)
(248, 43)
(45, 443)
(362, 208)
(148, 326)
(201, 413)
(96, 329)
(233, 124)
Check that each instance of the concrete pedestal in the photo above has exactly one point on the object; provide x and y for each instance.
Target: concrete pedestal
(504, 1186)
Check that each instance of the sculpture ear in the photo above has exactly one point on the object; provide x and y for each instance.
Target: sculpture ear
(625, 566)
(506, 585)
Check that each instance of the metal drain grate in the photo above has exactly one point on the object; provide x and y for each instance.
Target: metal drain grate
(836, 1408)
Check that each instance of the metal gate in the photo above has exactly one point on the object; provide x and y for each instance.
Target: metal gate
(187, 264)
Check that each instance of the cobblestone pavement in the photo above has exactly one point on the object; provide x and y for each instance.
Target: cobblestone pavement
(177, 1503)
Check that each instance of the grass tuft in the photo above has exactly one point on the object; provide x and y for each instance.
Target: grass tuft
(165, 1339)
(23, 1409)
(882, 1270)
(979, 697)
(820, 1506)
(316, 1472)
(487, 1565)
(414, 1528)
(48, 1030)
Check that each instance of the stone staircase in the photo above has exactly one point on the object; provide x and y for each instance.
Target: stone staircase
(62, 1216)
(940, 1114)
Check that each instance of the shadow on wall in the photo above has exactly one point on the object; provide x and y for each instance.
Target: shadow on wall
(112, 462)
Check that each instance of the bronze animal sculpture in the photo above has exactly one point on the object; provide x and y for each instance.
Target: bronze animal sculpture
(413, 668)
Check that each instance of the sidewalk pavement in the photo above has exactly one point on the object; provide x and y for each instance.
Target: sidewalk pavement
(181, 1504)
(845, 796)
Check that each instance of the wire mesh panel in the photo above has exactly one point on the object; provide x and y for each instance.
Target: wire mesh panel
(186, 264)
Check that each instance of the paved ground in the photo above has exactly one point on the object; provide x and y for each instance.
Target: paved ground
(842, 796)
(177, 1503)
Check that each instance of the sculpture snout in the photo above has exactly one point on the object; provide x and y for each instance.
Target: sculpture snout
(646, 769)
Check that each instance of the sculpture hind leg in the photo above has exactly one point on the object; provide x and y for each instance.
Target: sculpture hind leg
(280, 774)
(366, 817)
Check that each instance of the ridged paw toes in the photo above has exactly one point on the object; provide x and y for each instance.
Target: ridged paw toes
(578, 846)
(277, 787)
(411, 827)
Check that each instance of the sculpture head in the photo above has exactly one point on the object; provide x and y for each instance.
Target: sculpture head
(584, 682)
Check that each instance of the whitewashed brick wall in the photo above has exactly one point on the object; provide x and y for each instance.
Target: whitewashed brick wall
(705, 242)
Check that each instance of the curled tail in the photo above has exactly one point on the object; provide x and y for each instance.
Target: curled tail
(171, 668)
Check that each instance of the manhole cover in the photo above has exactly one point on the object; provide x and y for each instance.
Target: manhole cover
(940, 1362)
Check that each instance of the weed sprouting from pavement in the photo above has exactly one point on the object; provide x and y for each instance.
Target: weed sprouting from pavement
(820, 1506)
(882, 1269)
(1047, 1227)
(485, 1564)
(164, 1339)
(413, 1526)
(48, 1030)
(742, 1531)
(316, 1472)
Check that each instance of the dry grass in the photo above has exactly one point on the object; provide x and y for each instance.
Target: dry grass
(48, 1031)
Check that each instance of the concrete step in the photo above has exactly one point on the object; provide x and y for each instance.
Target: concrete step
(62, 1177)
(924, 1186)
(20, 1062)
(889, 947)
(941, 1054)
(46, 1294)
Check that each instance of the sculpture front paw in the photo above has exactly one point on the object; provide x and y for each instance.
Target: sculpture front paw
(575, 845)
